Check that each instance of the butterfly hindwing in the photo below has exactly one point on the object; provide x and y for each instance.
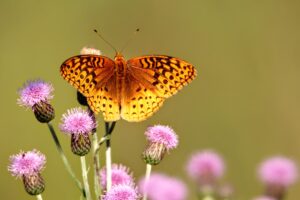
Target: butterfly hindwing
(106, 100)
(87, 73)
(138, 101)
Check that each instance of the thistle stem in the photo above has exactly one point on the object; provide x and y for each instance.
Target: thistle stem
(85, 178)
(39, 197)
(97, 184)
(64, 158)
(147, 177)
(108, 130)
(108, 168)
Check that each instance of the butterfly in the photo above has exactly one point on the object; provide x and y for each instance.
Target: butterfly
(132, 90)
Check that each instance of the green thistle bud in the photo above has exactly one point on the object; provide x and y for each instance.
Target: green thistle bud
(43, 111)
(34, 183)
(80, 144)
(154, 153)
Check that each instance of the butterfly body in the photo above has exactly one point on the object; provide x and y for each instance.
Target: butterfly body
(120, 71)
(133, 90)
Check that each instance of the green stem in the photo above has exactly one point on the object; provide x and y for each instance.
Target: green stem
(147, 177)
(39, 197)
(85, 178)
(97, 184)
(108, 130)
(64, 158)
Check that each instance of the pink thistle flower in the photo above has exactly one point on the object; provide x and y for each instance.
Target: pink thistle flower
(163, 187)
(205, 166)
(88, 50)
(77, 121)
(120, 175)
(34, 92)
(163, 135)
(264, 198)
(160, 140)
(278, 171)
(121, 192)
(26, 163)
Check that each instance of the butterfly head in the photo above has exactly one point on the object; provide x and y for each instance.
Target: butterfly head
(119, 57)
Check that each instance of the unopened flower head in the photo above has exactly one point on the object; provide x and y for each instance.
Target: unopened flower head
(26, 163)
(122, 192)
(120, 174)
(34, 92)
(163, 135)
(263, 198)
(205, 167)
(278, 171)
(77, 121)
(163, 187)
(89, 50)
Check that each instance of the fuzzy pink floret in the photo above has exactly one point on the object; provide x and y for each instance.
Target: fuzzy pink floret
(120, 175)
(34, 92)
(162, 134)
(278, 171)
(77, 121)
(122, 192)
(26, 163)
(163, 187)
(89, 50)
(205, 164)
(263, 198)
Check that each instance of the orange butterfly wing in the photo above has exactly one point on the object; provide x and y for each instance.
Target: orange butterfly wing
(94, 77)
(149, 81)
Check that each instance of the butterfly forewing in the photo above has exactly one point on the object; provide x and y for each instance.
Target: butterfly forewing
(93, 76)
(87, 73)
(167, 74)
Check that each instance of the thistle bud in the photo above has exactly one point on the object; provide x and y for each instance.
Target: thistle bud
(43, 111)
(34, 183)
(154, 153)
(80, 144)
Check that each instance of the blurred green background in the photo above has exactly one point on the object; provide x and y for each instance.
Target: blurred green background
(244, 102)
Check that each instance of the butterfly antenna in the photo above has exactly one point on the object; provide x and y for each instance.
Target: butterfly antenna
(95, 30)
(129, 40)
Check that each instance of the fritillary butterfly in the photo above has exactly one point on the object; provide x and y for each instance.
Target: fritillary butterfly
(132, 90)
